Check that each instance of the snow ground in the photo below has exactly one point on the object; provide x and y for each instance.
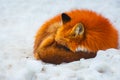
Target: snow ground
(19, 21)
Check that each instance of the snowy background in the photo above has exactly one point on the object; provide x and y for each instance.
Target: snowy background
(19, 21)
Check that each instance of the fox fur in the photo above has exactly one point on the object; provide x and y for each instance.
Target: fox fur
(73, 35)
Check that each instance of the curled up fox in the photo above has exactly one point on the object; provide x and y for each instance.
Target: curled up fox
(73, 35)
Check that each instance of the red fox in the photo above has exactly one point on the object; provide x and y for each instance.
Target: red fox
(73, 35)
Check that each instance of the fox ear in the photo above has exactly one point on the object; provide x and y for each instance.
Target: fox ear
(65, 18)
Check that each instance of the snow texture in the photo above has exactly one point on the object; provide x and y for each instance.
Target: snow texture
(19, 21)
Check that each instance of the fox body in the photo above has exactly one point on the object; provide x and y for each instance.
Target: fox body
(73, 35)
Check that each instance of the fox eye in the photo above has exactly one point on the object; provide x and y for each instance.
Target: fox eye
(78, 29)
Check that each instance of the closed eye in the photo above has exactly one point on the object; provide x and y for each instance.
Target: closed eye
(63, 47)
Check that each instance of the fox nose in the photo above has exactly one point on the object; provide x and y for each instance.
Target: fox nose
(66, 43)
(61, 41)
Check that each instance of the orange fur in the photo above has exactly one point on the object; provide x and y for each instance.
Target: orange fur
(55, 42)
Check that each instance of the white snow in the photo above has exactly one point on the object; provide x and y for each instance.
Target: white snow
(19, 21)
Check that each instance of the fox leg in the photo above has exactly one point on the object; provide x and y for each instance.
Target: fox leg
(44, 44)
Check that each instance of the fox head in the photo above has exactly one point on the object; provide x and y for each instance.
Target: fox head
(86, 31)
